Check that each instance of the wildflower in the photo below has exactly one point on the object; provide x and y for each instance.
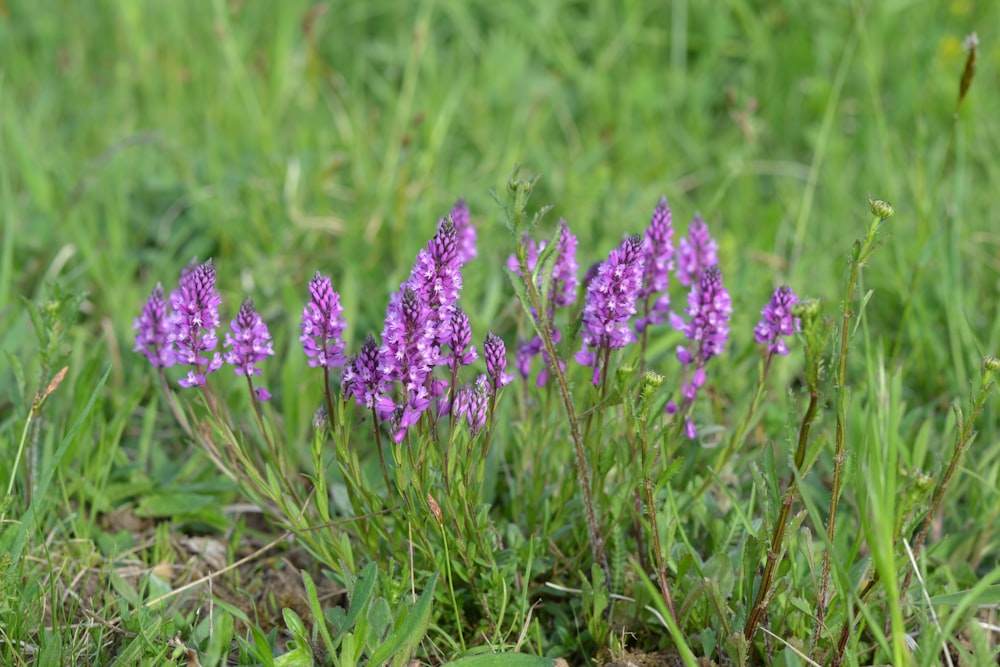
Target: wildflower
(407, 355)
(472, 402)
(436, 279)
(696, 252)
(709, 308)
(777, 321)
(193, 323)
(496, 362)
(250, 343)
(323, 325)
(363, 379)
(461, 336)
(466, 233)
(562, 288)
(561, 293)
(659, 255)
(152, 330)
(610, 304)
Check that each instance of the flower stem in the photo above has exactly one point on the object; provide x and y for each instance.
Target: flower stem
(861, 253)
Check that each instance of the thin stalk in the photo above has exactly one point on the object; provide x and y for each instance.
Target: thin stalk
(775, 548)
(862, 252)
(582, 468)
(963, 439)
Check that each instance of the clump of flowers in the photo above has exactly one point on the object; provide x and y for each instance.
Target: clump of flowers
(610, 304)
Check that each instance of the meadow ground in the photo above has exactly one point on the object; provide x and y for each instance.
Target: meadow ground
(148, 526)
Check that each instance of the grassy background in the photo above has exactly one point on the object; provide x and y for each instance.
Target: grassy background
(285, 138)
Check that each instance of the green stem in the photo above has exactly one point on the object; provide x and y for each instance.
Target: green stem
(861, 254)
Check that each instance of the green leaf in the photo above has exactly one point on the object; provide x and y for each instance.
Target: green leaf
(321, 622)
(988, 596)
(410, 631)
(379, 621)
(361, 595)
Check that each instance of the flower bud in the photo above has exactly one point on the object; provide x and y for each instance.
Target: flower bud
(882, 209)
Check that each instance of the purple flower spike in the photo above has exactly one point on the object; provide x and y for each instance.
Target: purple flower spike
(153, 330)
(496, 361)
(610, 304)
(323, 325)
(565, 269)
(777, 321)
(249, 342)
(466, 233)
(696, 252)
(659, 253)
(435, 276)
(709, 308)
(472, 402)
(193, 324)
(363, 378)
(407, 355)
(461, 336)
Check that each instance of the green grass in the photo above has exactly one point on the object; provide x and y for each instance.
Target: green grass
(281, 140)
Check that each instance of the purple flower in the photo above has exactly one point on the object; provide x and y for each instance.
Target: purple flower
(659, 254)
(435, 276)
(562, 289)
(363, 378)
(323, 325)
(250, 343)
(408, 354)
(709, 308)
(496, 361)
(696, 252)
(153, 330)
(461, 336)
(561, 293)
(472, 402)
(707, 331)
(466, 233)
(193, 323)
(610, 304)
(777, 321)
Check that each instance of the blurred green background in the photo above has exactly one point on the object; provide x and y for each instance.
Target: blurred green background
(282, 138)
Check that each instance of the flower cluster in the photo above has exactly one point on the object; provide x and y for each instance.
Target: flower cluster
(658, 253)
(707, 331)
(152, 330)
(193, 323)
(777, 322)
(323, 325)
(696, 253)
(426, 338)
(610, 304)
(249, 343)
(561, 293)
(182, 330)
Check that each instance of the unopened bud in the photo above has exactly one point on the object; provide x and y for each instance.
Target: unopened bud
(882, 209)
(435, 508)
